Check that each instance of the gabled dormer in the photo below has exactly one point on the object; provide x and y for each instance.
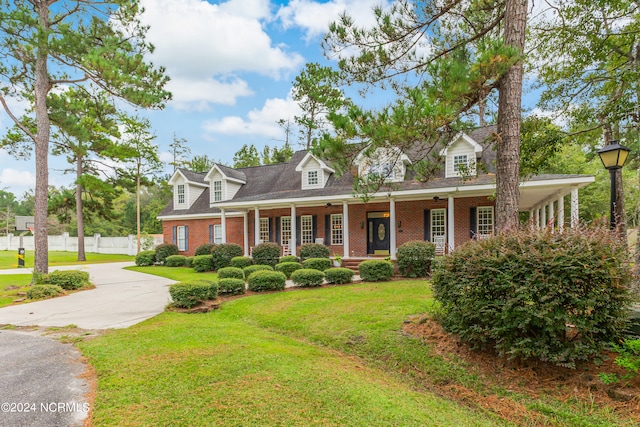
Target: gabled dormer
(461, 156)
(224, 183)
(389, 163)
(187, 187)
(315, 172)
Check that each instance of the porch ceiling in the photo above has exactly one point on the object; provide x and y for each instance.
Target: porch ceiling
(534, 194)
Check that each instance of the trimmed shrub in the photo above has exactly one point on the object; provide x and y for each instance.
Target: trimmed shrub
(188, 294)
(146, 258)
(68, 280)
(256, 267)
(375, 270)
(231, 273)
(519, 291)
(188, 262)
(266, 281)
(202, 263)
(289, 258)
(231, 286)
(313, 250)
(165, 250)
(414, 258)
(44, 291)
(320, 264)
(241, 262)
(175, 261)
(204, 249)
(338, 275)
(266, 254)
(223, 253)
(307, 277)
(288, 267)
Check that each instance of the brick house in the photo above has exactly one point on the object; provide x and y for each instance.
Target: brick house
(304, 201)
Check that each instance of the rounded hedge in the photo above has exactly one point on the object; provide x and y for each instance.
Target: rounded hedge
(519, 291)
(68, 280)
(231, 286)
(241, 262)
(204, 249)
(338, 275)
(266, 281)
(375, 270)
(256, 267)
(320, 264)
(175, 261)
(289, 258)
(202, 263)
(189, 261)
(313, 250)
(223, 254)
(188, 294)
(288, 267)
(308, 277)
(266, 254)
(146, 258)
(165, 250)
(231, 273)
(44, 291)
(414, 258)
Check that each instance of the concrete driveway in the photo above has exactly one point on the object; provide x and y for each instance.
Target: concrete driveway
(122, 298)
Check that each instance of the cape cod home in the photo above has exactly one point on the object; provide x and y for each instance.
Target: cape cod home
(304, 201)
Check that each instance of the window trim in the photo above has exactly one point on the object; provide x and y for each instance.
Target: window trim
(306, 230)
(479, 224)
(457, 163)
(444, 222)
(217, 193)
(316, 178)
(181, 194)
(337, 230)
(217, 234)
(264, 231)
(181, 237)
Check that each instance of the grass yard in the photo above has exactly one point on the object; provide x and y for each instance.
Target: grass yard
(326, 357)
(9, 259)
(179, 274)
(10, 285)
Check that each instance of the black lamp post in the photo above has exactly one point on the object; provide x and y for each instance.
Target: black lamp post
(613, 157)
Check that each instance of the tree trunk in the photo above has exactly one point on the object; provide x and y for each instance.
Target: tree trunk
(509, 118)
(79, 217)
(138, 206)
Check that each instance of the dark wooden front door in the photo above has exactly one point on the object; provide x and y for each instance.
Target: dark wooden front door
(378, 236)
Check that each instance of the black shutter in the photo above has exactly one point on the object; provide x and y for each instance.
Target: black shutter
(327, 230)
(186, 238)
(314, 224)
(175, 235)
(427, 225)
(210, 233)
(473, 223)
(271, 233)
(298, 231)
(278, 230)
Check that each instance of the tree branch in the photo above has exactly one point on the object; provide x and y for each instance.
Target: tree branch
(15, 119)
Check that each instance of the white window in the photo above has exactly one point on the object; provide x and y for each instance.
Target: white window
(306, 223)
(180, 191)
(312, 178)
(384, 170)
(336, 229)
(264, 229)
(485, 222)
(460, 163)
(285, 230)
(217, 234)
(438, 223)
(217, 191)
(182, 238)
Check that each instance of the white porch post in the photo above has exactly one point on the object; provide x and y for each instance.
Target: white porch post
(223, 225)
(561, 213)
(246, 234)
(543, 216)
(575, 219)
(256, 227)
(345, 230)
(292, 242)
(451, 228)
(551, 214)
(538, 217)
(392, 236)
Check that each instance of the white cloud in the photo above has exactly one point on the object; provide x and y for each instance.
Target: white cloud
(557, 118)
(17, 181)
(198, 95)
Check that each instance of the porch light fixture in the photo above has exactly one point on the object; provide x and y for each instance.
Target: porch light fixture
(613, 157)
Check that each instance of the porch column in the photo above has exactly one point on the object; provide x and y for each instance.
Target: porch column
(392, 235)
(292, 242)
(451, 228)
(531, 217)
(246, 234)
(551, 214)
(575, 219)
(256, 227)
(223, 225)
(537, 222)
(561, 213)
(345, 230)
(543, 216)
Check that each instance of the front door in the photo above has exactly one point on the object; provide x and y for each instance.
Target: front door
(378, 236)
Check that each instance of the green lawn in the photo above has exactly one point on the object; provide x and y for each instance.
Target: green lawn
(327, 357)
(179, 274)
(9, 259)
(10, 285)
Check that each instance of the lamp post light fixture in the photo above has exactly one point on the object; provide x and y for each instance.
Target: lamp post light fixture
(613, 157)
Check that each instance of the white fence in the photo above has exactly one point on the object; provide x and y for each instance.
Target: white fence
(98, 244)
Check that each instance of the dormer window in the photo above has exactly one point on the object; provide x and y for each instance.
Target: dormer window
(217, 191)
(181, 194)
(312, 178)
(460, 163)
(382, 170)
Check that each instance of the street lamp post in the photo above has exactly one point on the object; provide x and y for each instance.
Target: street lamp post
(613, 157)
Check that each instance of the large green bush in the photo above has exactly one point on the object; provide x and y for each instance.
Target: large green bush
(313, 250)
(289, 258)
(175, 261)
(338, 275)
(223, 253)
(231, 273)
(266, 281)
(68, 280)
(204, 249)
(552, 296)
(266, 254)
(188, 262)
(256, 267)
(241, 262)
(288, 267)
(165, 250)
(188, 294)
(202, 263)
(231, 286)
(414, 258)
(307, 277)
(44, 291)
(375, 270)
(320, 264)
(146, 258)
